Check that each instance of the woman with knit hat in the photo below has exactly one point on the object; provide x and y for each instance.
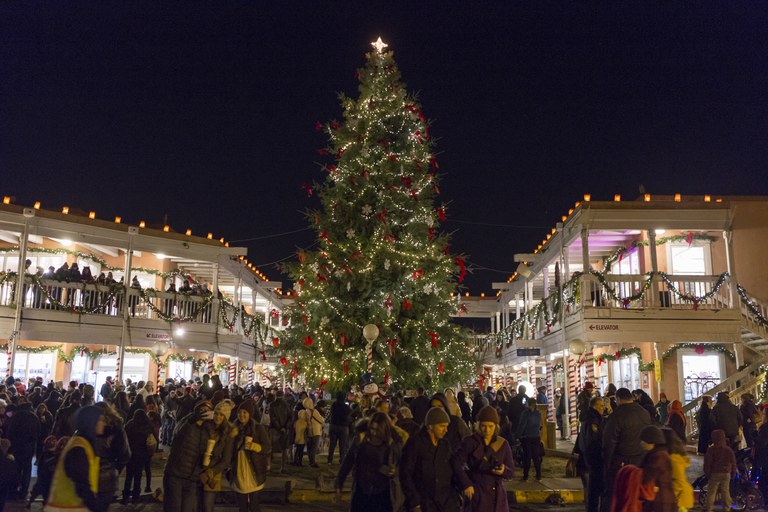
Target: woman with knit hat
(218, 454)
(676, 419)
(482, 463)
(251, 450)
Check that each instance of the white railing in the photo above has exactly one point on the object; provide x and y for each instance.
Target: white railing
(95, 299)
(754, 315)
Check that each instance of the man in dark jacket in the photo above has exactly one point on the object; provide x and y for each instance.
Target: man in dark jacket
(419, 406)
(107, 394)
(621, 440)
(516, 407)
(727, 417)
(280, 422)
(591, 449)
(23, 431)
(182, 471)
(426, 473)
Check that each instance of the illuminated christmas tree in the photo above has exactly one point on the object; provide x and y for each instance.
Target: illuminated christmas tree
(382, 258)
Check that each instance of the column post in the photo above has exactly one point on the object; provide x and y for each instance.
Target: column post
(654, 268)
(731, 268)
(586, 292)
(21, 284)
(127, 277)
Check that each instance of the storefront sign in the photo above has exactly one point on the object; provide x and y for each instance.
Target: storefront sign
(521, 352)
(657, 369)
(158, 336)
(603, 327)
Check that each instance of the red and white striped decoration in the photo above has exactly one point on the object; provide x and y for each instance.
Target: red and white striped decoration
(160, 373)
(209, 366)
(550, 392)
(573, 382)
(118, 374)
(232, 372)
(519, 377)
(370, 357)
(10, 356)
(263, 379)
(250, 376)
(589, 363)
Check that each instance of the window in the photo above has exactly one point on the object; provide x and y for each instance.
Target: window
(179, 370)
(629, 264)
(80, 366)
(691, 259)
(700, 374)
(626, 373)
(30, 366)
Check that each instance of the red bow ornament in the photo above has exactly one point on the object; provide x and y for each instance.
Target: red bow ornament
(440, 367)
(434, 337)
(308, 341)
(283, 361)
(343, 338)
(307, 189)
(392, 345)
(345, 366)
(462, 268)
(417, 274)
(406, 306)
(441, 214)
(275, 342)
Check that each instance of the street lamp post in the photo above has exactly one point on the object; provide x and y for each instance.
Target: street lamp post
(370, 333)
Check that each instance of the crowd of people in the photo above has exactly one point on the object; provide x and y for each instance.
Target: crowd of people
(442, 452)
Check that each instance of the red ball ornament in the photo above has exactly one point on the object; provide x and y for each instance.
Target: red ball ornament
(308, 341)
(699, 349)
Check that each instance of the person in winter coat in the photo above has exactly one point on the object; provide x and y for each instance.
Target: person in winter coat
(63, 424)
(405, 421)
(114, 452)
(590, 443)
(676, 419)
(529, 433)
(338, 427)
(727, 417)
(300, 433)
(280, 421)
(46, 465)
(704, 424)
(646, 402)
(251, 451)
(221, 435)
(761, 453)
(720, 467)
(516, 407)
(621, 440)
(374, 460)
(749, 414)
(426, 473)
(466, 411)
(53, 402)
(182, 470)
(678, 456)
(481, 464)
(138, 430)
(583, 399)
(662, 408)
(419, 406)
(75, 480)
(46, 427)
(457, 429)
(657, 470)
(314, 430)
(23, 431)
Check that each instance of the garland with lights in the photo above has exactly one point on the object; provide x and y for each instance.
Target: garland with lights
(526, 326)
(753, 308)
(150, 293)
(609, 261)
(624, 353)
(700, 348)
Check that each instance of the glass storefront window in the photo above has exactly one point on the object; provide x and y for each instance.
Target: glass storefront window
(30, 366)
(700, 374)
(626, 373)
(179, 370)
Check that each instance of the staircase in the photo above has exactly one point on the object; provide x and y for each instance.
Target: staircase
(754, 335)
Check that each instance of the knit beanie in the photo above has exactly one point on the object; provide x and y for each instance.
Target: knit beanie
(652, 434)
(225, 408)
(487, 414)
(436, 415)
(249, 406)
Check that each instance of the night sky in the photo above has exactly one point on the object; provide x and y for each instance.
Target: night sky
(205, 112)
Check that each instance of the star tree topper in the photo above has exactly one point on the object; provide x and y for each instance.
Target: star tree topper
(379, 45)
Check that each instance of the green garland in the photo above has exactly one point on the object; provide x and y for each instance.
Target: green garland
(624, 353)
(707, 347)
(692, 298)
(151, 293)
(610, 260)
(751, 306)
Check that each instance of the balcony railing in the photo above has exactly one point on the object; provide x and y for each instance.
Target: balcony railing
(595, 290)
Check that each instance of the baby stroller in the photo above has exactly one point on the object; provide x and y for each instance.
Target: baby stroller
(744, 494)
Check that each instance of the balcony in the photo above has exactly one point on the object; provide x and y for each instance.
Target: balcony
(93, 313)
(629, 308)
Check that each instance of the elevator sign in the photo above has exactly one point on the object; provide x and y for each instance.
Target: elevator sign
(603, 327)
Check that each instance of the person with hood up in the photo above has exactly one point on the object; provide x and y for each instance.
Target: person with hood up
(678, 456)
(221, 435)
(646, 402)
(589, 441)
(529, 433)
(75, 483)
(138, 430)
(46, 465)
(426, 473)
(457, 429)
(8, 472)
(405, 422)
(657, 470)
(182, 470)
(338, 428)
(749, 418)
(252, 448)
(481, 464)
(719, 466)
(676, 419)
(704, 424)
(727, 417)
(314, 430)
(23, 431)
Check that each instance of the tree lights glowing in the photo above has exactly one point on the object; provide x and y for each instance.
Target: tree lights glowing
(382, 259)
